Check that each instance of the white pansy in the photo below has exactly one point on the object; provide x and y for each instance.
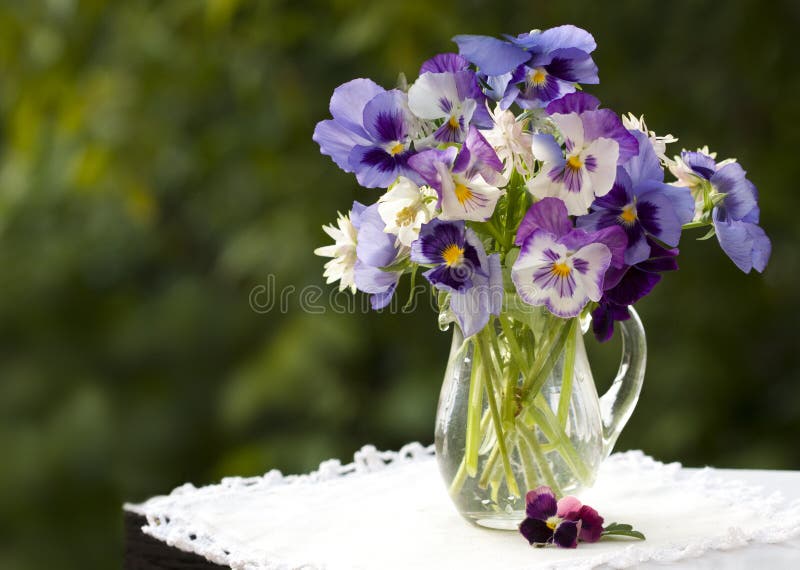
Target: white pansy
(510, 141)
(659, 143)
(405, 207)
(343, 253)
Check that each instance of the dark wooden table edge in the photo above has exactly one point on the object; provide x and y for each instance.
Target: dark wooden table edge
(143, 552)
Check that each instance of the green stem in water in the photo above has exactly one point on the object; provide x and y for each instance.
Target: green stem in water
(540, 414)
(474, 416)
(486, 356)
(528, 435)
(569, 373)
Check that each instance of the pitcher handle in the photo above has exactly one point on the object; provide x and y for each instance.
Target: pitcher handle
(616, 405)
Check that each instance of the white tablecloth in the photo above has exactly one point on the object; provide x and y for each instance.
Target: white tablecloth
(391, 511)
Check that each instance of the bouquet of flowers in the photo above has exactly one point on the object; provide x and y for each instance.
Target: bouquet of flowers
(527, 207)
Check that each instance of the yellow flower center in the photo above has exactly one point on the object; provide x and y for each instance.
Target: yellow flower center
(538, 76)
(397, 149)
(462, 193)
(574, 162)
(406, 216)
(628, 215)
(453, 122)
(452, 254)
(552, 522)
(560, 269)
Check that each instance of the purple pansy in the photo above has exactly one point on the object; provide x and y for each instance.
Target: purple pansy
(452, 97)
(535, 68)
(375, 249)
(642, 204)
(370, 134)
(462, 268)
(543, 525)
(595, 141)
(736, 213)
(463, 178)
(560, 267)
(625, 286)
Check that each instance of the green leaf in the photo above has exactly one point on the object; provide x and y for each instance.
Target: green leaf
(627, 533)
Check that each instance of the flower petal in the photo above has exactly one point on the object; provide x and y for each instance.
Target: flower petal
(573, 103)
(536, 531)
(444, 62)
(740, 194)
(432, 95)
(490, 55)
(744, 243)
(566, 535)
(568, 507)
(385, 116)
(349, 99)
(337, 141)
(540, 503)
(591, 524)
(548, 214)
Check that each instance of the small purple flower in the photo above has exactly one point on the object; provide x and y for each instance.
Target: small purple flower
(533, 68)
(375, 249)
(735, 214)
(452, 249)
(560, 267)
(595, 141)
(543, 525)
(642, 204)
(370, 134)
(463, 179)
(462, 268)
(452, 97)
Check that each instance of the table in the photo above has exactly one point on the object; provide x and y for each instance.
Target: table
(145, 552)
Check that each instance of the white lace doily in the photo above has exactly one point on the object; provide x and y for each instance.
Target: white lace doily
(390, 510)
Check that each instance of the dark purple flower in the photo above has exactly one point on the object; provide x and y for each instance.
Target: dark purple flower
(642, 204)
(543, 525)
(625, 286)
(375, 249)
(735, 214)
(533, 68)
(370, 133)
(461, 268)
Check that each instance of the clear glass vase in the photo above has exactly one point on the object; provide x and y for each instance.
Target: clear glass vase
(519, 409)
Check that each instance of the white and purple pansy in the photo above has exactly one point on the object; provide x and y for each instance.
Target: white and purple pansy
(594, 143)
(642, 204)
(461, 178)
(735, 212)
(453, 99)
(371, 133)
(535, 68)
(460, 266)
(561, 267)
(375, 250)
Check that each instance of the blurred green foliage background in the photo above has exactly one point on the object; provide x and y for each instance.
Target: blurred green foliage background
(156, 165)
